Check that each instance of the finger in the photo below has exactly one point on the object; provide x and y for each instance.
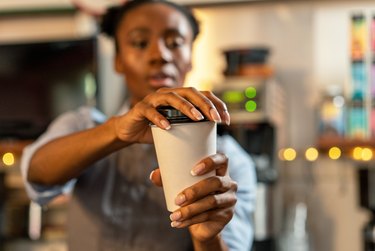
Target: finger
(143, 110)
(155, 177)
(221, 107)
(198, 99)
(208, 203)
(219, 215)
(94, 11)
(218, 162)
(167, 97)
(204, 102)
(206, 187)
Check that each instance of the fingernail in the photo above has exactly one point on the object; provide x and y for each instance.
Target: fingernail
(180, 199)
(197, 169)
(196, 113)
(175, 216)
(151, 174)
(215, 115)
(227, 118)
(218, 158)
(175, 223)
(165, 124)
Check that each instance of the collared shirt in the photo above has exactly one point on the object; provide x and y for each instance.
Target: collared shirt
(114, 205)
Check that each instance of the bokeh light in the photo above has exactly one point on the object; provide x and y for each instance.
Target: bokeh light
(250, 92)
(289, 154)
(233, 97)
(334, 153)
(357, 153)
(311, 154)
(251, 106)
(8, 159)
(366, 154)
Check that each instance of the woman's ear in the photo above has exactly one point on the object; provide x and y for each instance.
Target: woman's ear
(118, 64)
(188, 67)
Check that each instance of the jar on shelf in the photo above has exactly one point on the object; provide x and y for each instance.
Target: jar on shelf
(332, 112)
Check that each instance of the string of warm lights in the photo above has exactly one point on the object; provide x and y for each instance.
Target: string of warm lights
(357, 153)
(285, 154)
(311, 154)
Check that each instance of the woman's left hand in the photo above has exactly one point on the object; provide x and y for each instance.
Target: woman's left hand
(207, 206)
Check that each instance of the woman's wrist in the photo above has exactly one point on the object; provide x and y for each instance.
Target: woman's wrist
(116, 141)
(216, 243)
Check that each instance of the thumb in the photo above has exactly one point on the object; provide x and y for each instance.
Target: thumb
(155, 177)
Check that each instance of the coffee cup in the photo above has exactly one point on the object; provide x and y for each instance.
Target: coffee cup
(179, 149)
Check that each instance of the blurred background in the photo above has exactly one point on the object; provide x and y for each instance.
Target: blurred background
(298, 78)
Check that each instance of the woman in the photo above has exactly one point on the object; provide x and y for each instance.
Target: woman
(108, 161)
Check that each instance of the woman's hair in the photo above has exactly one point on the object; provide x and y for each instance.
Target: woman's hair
(110, 21)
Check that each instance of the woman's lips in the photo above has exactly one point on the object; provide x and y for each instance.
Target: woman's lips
(161, 80)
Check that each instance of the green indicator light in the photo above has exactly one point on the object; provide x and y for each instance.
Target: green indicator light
(251, 106)
(250, 92)
(233, 96)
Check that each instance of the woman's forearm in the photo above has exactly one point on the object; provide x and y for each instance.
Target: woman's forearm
(65, 158)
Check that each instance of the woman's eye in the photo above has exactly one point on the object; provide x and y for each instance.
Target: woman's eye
(174, 42)
(140, 44)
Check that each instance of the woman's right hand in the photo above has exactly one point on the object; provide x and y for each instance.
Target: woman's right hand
(95, 8)
(133, 127)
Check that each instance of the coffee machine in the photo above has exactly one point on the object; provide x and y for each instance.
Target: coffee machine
(255, 103)
(256, 131)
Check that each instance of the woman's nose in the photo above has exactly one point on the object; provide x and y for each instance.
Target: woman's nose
(159, 53)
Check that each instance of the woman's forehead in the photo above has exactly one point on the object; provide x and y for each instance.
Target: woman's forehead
(155, 16)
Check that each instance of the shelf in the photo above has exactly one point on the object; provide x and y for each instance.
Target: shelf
(326, 142)
(12, 145)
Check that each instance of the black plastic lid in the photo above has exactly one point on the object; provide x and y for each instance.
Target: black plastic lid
(175, 116)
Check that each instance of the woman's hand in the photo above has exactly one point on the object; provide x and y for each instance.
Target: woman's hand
(95, 8)
(207, 206)
(133, 127)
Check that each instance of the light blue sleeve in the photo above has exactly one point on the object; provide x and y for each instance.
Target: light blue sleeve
(66, 123)
(239, 232)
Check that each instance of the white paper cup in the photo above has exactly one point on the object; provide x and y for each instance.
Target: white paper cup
(178, 150)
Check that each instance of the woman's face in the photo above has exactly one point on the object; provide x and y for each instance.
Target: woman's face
(154, 49)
